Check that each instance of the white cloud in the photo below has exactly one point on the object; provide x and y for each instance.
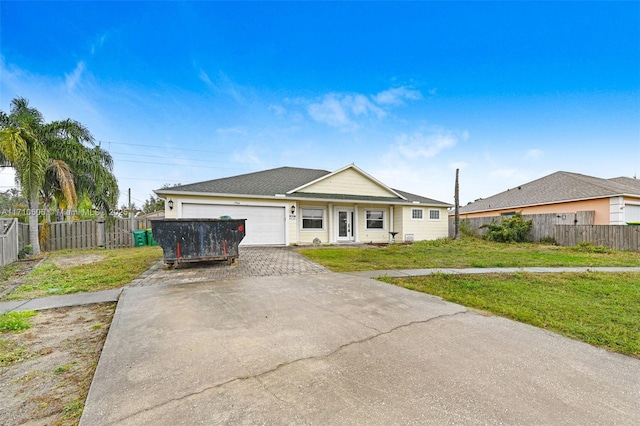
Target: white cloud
(277, 109)
(72, 79)
(231, 131)
(421, 145)
(340, 110)
(249, 155)
(534, 154)
(222, 86)
(396, 96)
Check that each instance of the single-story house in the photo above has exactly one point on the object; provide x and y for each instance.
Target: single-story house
(290, 205)
(615, 201)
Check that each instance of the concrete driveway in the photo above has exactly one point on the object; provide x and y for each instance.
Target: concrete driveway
(326, 348)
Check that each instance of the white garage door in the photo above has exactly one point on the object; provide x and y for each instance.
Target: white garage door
(631, 213)
(264, 225)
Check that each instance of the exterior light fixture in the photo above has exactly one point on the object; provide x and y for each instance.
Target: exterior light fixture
(170, 204)
(293, 209)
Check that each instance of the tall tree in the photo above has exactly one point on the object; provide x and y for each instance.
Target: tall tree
(54, 160)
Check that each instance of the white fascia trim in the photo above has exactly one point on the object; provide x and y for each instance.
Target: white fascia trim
(349, 166)
(214, 194)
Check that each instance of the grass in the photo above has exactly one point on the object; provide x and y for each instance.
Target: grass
(118, 267)
(10, 351)
(466, 253)
(16, 321)
(601, 309)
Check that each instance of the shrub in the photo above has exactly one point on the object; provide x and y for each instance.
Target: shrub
(548, 240)
(25, 251)
(466, 228)
(512, 230)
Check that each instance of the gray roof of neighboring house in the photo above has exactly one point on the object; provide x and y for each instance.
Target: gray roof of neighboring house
(280, 181)
(554, 188)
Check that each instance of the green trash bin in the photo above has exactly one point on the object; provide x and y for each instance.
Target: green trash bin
(150, 239)
(139, 238)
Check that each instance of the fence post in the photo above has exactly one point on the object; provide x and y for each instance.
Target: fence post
(101, 233)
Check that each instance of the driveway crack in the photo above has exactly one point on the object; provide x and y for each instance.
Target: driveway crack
(258, 376)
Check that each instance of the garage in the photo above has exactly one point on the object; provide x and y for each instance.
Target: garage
(265, 224)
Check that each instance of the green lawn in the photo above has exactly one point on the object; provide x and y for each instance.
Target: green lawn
(602, 309)
(467, 253)
(115, 268)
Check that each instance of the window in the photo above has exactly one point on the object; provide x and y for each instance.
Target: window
(312, 218)
(416, 214)
(375, 219)
(434, 214)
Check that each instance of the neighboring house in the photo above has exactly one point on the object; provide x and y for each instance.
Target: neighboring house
(615, 201)
(291, 205)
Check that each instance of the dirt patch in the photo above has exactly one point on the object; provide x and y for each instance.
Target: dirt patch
(48, 382)
(75, 260)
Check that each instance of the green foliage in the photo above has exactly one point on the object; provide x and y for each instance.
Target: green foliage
(598, 308)
(25, 251)
(466, 229)
(153, 203)
(463, 253)
(587, 247)
(16, 321)
(116, 268)
(512, 230)
(549, 241)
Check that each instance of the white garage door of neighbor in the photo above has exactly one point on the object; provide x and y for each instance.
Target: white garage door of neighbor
(631, 213)
(264, 225)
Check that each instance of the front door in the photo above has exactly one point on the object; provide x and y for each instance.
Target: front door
(345, 225)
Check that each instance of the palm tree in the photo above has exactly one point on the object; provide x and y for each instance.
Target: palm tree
(54, 160)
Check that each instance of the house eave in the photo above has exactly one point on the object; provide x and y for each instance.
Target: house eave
(279, 197)
(549, 203)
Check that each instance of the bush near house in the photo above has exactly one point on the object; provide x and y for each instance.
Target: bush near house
(512, 230)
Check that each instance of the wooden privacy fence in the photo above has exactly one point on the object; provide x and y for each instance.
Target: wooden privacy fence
(86, 234)
(8, 241)
(542, 227)
(617, 237)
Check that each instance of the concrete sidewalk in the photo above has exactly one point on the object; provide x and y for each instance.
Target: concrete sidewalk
(60, 301)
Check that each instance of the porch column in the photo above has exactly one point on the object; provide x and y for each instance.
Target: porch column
(330, 223)
(356, 234)
(391, 228)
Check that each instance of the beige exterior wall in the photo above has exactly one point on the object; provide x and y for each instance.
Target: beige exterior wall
(600, 206)
(400, 221)
(425, 228)
(306, 236)
(348, 181)
(373, 235)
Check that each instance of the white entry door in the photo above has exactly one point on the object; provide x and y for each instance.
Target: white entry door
(345, 220)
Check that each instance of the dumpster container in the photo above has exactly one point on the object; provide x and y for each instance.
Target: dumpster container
(150, 239)
(139, 237)
(196, 240)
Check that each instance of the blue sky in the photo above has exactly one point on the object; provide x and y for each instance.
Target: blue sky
(408, 91)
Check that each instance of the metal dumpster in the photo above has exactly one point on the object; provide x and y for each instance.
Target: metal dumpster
(195, 240)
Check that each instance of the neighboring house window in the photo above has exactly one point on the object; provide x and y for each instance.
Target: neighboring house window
(434, 214)
(416, 214)
(375, 219)
(312, 218)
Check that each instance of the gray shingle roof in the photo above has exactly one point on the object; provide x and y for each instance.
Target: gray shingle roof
(280, 181)
(554, 188)
(267, 182)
